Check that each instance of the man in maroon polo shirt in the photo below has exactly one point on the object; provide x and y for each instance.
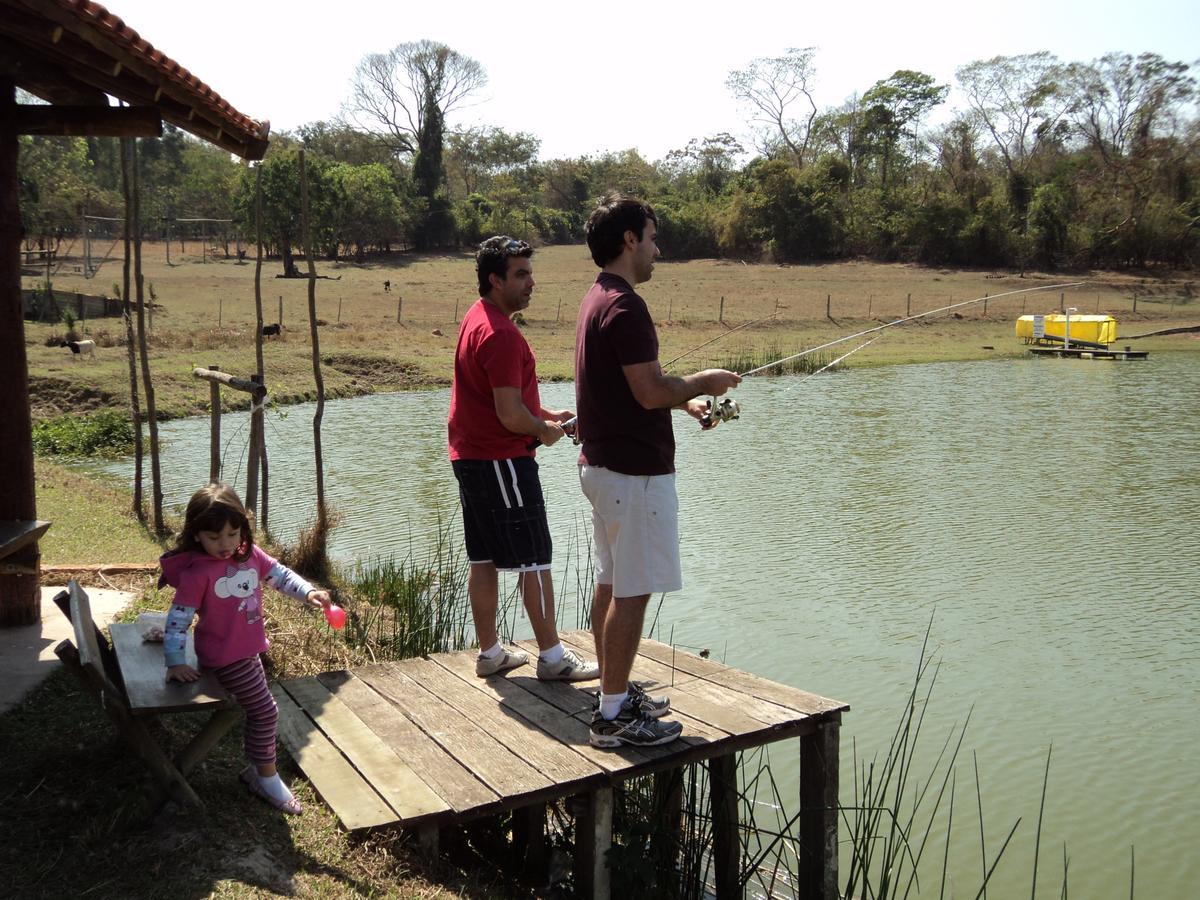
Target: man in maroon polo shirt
(627, 463)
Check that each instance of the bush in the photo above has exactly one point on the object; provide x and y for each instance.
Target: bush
(107, 434)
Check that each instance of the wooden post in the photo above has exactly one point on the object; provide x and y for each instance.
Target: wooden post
(668, 804)
(214, 431)
(908, 306)
(721, 314)
(593, 840)
(20, 597)
(558, 315)
(220, 310)
(319, 413)
(1062, 302)
(1135, 301)
(399, 308)
(135, 404)
(985, 300)
(817, 856)
(254, 453)
(529, 840)
(870, 299)
(339, 310)
(727, 849)
(829, 306)
(455, 312)
(670, 309)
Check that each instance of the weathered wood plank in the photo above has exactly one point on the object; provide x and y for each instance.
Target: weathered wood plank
(523, 738)
(144, 674)
(568, 728)
(446, 776)
(487, 759)
(17, 534)
(754, 685)
(387, 772)
(660, 679)
(343, 789)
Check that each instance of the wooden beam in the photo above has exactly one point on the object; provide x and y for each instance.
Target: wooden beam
(727, 849)
(93, 121)
(818, 853)
(20, 596)
(593, 840)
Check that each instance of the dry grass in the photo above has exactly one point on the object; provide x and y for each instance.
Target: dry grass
(205, 316)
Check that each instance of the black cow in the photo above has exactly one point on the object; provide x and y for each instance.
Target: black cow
(269, 330)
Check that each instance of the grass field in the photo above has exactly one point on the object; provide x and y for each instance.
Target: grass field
(205, 316)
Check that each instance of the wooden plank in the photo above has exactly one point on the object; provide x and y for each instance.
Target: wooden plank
(721, 706)
(343, 789)
(17, 534)
(523, 737)
(99, 121)
(566, 727)
(388, 774)
(466, 740)
(754, 685)
(445, 775)
(144, 673)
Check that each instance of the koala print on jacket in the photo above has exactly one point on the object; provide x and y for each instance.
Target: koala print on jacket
(241, 584)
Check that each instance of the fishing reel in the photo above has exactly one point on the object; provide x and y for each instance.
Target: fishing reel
(720, 411)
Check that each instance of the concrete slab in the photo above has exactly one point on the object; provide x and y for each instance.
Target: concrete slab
(27, 653)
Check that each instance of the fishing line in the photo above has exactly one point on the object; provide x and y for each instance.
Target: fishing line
(723, 334)
(830, 365)
(850, 337)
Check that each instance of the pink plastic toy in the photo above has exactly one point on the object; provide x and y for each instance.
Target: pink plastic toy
(336, 617)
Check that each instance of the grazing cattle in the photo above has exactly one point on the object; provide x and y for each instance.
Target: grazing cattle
(387, 286)
(269, 330)
(85, 348)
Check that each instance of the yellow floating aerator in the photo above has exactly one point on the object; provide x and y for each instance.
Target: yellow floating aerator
(1089, 331)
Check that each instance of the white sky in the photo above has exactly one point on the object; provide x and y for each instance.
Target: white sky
(649, 75)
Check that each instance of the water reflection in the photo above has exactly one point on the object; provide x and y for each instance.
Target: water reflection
(1042, 512)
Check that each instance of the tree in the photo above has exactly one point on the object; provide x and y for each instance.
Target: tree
(774, 88)
(475, 156)
(1021, 102)
(894, 109)
(707, 164)
(339, 142)
(369, 210)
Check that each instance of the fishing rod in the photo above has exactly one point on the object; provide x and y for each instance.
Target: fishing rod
(723, 334)
(727, 408)
(830, 365)
(850, 337)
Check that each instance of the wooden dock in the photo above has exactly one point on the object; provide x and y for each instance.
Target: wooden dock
(1089, 353)
(425, 743)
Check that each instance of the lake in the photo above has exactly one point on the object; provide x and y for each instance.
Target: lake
(1041, 512)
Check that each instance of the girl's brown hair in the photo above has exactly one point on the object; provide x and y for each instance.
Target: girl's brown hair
(211, 509)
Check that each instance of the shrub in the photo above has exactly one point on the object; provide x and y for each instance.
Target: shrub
(107, 433)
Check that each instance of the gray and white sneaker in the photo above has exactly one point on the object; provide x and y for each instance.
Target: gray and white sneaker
(632, 728)
(570, 668)
(652, 707)
(509, 659)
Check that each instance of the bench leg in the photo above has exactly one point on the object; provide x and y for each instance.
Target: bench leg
(207, 738)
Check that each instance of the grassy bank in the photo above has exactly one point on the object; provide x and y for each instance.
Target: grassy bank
(204, 315)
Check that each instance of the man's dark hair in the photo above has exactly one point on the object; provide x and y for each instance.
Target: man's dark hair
(493, 256)
(606, 226)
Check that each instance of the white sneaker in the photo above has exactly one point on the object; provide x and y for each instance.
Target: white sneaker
(509, 659)
(570, 668)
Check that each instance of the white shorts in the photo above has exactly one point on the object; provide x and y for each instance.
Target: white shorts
(635, 527)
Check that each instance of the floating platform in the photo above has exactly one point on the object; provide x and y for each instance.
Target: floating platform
(1089, 353)
(425, 743)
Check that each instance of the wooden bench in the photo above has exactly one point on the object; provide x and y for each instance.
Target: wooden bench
(129, 680)
(15, 536)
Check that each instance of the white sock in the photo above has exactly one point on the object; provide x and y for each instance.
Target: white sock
(274, 786)
(492, 652)
(554, 655)
(610, 704)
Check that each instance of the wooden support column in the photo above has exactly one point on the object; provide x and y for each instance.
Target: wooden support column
(214, 430)
(727, 850)
(254, 453)
(668, 812)
(818, 852)
(429, 838)
(593, 840)
(20, 599)
(529, 840)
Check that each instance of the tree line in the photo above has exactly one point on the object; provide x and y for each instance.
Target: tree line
(1049, 164)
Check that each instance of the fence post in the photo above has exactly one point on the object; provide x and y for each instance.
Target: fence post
(399, 308)
(1062, 302)
(985, 299)
(254, 453)
(870, 300)
(908, 306)
(721, 314)
(558, 315)
(828, 306)
(339, 310)
(670, 308)
(220, 310)
(1135, 301)
(214, 445)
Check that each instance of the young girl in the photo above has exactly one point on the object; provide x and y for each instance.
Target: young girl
(218, 572)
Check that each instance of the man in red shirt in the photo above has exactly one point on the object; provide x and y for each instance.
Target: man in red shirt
(496, 420)
(627, 464)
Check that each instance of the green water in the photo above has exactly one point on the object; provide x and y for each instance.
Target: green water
(1041, 511)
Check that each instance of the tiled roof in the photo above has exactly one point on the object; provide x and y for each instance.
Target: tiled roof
(66, 48)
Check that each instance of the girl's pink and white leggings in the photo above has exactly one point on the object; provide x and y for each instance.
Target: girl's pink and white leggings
(246, 682)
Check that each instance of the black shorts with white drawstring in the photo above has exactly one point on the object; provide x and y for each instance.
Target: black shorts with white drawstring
(504, 514)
